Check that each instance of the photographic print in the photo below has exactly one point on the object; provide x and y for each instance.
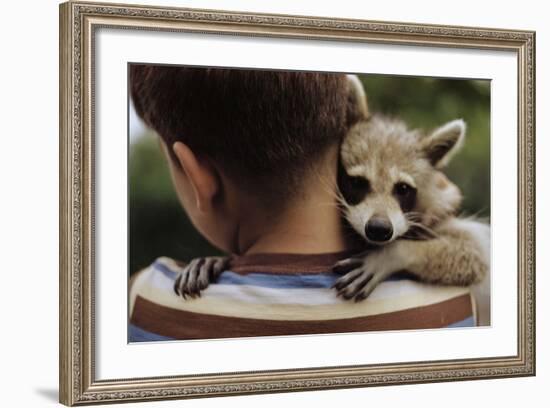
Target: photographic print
(312, 203)
(334, 205)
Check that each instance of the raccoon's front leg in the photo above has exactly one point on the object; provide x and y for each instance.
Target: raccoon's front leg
(198, 274)
(458, 256)
(366, 272)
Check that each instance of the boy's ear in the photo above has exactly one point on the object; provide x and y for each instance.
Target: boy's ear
(357, 108)
(202, 175)
(444, 142)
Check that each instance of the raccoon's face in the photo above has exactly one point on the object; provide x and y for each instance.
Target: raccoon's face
(388, 180)
(378, 202)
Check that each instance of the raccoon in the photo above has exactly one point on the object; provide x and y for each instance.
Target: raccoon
(394, 196)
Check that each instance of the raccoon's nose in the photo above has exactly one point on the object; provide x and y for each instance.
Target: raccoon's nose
(378, 229)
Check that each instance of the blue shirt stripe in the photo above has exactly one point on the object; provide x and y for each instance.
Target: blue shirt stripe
(318, 280)
(468, 322)
(136, 334)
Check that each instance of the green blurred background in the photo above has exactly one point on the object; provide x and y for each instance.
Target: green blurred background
(159, 226)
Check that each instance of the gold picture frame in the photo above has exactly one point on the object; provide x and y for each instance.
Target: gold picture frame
(78, 22)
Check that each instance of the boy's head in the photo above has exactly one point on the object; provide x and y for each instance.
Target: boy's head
(232, 133)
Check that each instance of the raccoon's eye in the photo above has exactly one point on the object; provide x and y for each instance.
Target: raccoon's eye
(406, 195)
(402, 189)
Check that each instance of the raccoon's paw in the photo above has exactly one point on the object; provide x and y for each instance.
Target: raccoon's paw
(365, 275)
(198, 274)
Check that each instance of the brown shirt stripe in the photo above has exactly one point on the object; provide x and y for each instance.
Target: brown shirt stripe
(286, 263)
(183, 325)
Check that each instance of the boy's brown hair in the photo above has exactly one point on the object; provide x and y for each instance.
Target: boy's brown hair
(266, 129)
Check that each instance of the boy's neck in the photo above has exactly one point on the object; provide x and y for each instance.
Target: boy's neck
(312, 224)
(309, 229)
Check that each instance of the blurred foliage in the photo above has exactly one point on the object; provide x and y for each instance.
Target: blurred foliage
(159, 226)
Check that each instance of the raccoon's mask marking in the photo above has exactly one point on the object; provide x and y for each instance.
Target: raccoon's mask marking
(353, 188)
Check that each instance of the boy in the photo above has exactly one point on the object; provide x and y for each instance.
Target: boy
(253, 158)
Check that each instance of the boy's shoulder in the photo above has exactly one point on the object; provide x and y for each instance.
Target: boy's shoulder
(159, 276)
(285, 295)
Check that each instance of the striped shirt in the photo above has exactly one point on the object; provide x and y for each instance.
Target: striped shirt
(285, 294)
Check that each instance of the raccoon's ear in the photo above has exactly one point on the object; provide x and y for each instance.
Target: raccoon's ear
(444, 142)
(357, 108)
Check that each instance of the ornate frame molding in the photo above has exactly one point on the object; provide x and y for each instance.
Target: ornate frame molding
(77, 24)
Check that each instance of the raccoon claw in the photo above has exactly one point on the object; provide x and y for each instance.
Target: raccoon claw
(351, 284)
(197, 275)
(347, 279)
(359, 283)
(346, 265)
